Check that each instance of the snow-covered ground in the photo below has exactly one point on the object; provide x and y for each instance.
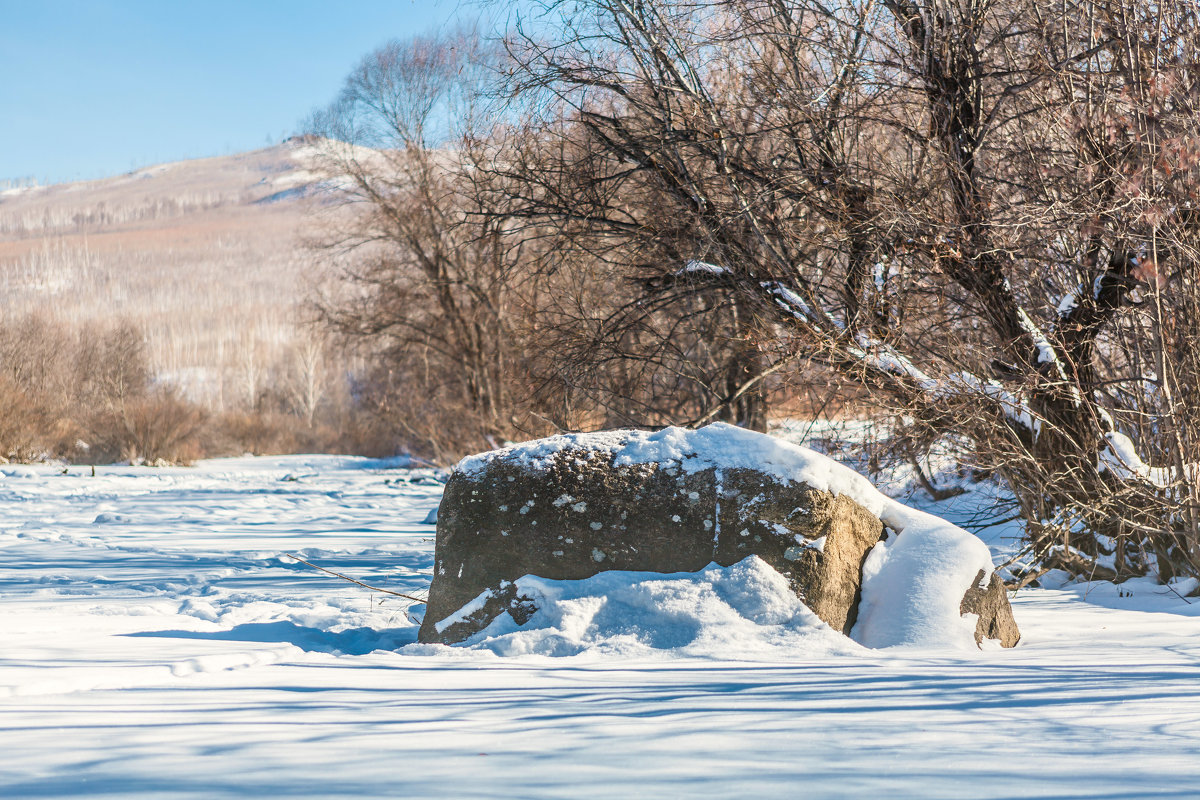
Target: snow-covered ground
(156, 642)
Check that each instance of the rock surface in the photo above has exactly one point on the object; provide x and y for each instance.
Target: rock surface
(581, 515)
(573, 506)
(994, 611)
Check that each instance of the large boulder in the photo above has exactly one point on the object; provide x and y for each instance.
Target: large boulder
(569, 507)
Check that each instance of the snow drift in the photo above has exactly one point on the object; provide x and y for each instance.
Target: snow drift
(718, 612)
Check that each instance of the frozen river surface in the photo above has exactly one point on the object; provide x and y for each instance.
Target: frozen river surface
(155, 641)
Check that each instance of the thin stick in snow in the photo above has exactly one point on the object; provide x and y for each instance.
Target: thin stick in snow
(352, 580)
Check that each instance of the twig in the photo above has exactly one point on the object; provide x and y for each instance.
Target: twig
(927, 484)
(352, 580)
(1175, 592)
(1029, 578)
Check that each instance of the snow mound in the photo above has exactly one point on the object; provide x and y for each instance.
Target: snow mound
(725, 612)
(913, 583)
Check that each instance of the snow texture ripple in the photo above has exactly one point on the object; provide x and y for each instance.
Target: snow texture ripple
(170, 650)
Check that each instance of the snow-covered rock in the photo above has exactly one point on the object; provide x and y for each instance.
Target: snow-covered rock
(570, 507)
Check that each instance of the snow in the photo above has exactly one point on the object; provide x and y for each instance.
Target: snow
(1120, 458)
(696, 266)
(16, 191)
(175, 652)
(467, 610)
(717, 445)
(788, 300)
(1046, 353)
(884, 358)
(912, 589)
(1068, 303)
(744, 609)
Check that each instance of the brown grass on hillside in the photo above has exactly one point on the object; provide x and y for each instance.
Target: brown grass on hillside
(189, 253)
(206, 260)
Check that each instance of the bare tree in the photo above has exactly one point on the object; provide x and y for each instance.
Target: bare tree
(981, 210)
(306, 380)
(435, 292)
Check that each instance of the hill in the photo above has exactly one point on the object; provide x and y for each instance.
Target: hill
(205, 256)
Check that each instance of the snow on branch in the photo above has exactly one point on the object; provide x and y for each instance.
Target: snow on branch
(789, 301)
(1046, 352)
(884, 358)
(1068, 303)
(1119, 458)
(696, 266)
(1013, 408)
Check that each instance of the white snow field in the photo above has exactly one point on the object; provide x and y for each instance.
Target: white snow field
(155, 642)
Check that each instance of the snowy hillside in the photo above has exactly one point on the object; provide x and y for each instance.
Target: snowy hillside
(206, 256)
(156, 642)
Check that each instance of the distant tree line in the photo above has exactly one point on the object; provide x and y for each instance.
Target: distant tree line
(88, 394)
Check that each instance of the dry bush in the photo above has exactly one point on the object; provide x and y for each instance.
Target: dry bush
(84, 394)
(241, 432)
(159, 427)
(273, 433)
(365, 434)
(23, 424)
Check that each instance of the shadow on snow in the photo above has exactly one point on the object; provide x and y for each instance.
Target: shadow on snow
(353, 641)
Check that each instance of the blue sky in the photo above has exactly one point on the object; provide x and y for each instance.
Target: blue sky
(89, 89)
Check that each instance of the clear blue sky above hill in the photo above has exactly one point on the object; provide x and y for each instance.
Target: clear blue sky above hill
(90, 88)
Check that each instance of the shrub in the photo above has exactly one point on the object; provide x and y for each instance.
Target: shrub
(23, 422)
(155, 428)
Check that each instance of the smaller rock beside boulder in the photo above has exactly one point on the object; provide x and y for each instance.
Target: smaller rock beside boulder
(483, 610)
(988, 600)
